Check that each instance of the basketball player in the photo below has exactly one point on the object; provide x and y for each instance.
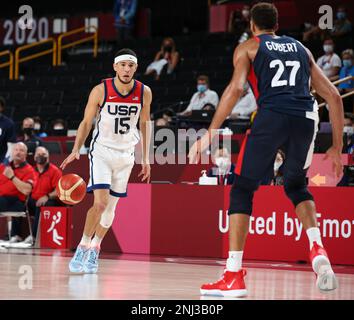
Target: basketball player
(117, 104)
(280, 71)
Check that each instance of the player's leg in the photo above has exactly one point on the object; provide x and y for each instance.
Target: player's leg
(256, 158)
(99, 184)
(122, 165)
(299, 153)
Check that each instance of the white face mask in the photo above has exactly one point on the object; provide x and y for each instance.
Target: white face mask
(277, 165)
(37, 126)
(349, 130)
(328, 48)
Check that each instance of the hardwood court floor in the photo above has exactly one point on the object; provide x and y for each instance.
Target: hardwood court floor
(137, 277)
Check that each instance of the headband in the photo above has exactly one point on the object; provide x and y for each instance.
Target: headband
(125, 57)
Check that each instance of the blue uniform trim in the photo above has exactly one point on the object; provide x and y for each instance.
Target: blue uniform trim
(93, 147)
(97, 186)
(117, 194)
(105, 93)
(121, 95)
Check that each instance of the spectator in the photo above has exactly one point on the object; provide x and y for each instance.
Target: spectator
(58, 128)
(29, 138)
(124, 12)
(347, 86)
(204, 96)
(17, 180)
(245, 106)
(168, 55)
(38, 128)
(224, 169)
(43, 194)
(278, 179)
(7, 133)
(330, 62)
(348, 129)
(342, 28)
(239, 23)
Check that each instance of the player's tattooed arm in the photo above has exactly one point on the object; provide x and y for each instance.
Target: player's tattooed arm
(95, 99)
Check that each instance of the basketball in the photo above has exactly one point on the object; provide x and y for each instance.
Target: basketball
(71, 189)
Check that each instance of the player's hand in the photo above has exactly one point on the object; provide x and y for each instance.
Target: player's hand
(72, 156)
(198, 148)
(145, 172)
(334, 154)
(8, 172)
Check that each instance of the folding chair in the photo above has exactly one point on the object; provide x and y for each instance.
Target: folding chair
(16, 214)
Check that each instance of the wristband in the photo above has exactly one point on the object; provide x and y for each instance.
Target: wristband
(13, 177)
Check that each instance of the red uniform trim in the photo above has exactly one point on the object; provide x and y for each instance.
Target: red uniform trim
(241, 154)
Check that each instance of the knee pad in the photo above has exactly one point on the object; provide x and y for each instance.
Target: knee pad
(241, 195)
(109, 213)
(296, 189)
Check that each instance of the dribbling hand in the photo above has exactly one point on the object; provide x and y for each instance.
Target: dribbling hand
(334, 154)
(72, 156)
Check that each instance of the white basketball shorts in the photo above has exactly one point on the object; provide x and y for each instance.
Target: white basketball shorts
(110, 169)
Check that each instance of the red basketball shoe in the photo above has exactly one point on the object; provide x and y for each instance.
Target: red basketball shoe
(326, 279)
(231, 284)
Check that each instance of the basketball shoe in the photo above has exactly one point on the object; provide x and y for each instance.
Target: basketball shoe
(77, 262)
(91, 261)
(326, 279)
(231, 284)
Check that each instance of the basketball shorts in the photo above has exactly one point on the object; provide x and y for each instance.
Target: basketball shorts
(110, 169)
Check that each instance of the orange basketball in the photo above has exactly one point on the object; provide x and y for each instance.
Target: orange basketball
(71, 189)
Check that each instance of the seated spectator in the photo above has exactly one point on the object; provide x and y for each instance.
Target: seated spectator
(58, 128)
(43, 194)
(17, 180)
(38, 128)
(204, 96)
(342, 26)
(348, 129)
(239, 23)
(245, 106)
(168, 55)
(347, 86)
(29, 138)
(224, 169)
(330, 62)
(7, 133)
(278, 179)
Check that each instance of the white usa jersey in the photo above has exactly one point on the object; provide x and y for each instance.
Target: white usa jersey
(116, 123)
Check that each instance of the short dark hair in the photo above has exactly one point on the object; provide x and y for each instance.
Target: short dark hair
(203, 77)
(264, 15)
(126, 51)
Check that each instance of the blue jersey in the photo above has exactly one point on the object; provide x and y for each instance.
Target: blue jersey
(280, 76)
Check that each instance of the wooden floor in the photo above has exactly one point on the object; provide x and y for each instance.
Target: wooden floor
(143, 277)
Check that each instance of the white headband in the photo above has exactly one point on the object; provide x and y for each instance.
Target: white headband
(125, 57)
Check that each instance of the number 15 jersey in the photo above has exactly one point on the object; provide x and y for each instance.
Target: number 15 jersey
(280, 76)
(116, 123)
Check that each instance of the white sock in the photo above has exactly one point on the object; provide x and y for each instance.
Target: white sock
(314, 235)
(96, 241)
(234, 262)
(85, 240)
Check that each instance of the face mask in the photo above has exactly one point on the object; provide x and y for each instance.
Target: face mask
(341, 15)
(347, 63)
(222, 163)
(28, 131)
(41, 159)
(327, 48)
(246, 13)
(58, 128)
(37, 126)
(349, 130)
(277, 165)
(201, 88)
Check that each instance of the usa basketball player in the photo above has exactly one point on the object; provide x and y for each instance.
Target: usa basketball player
(280, 71)
(117, 104)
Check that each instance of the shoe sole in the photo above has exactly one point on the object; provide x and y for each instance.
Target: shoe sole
(224, 293)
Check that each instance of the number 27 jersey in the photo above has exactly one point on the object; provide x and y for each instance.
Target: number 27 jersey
(116, 123)
(280, 76)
